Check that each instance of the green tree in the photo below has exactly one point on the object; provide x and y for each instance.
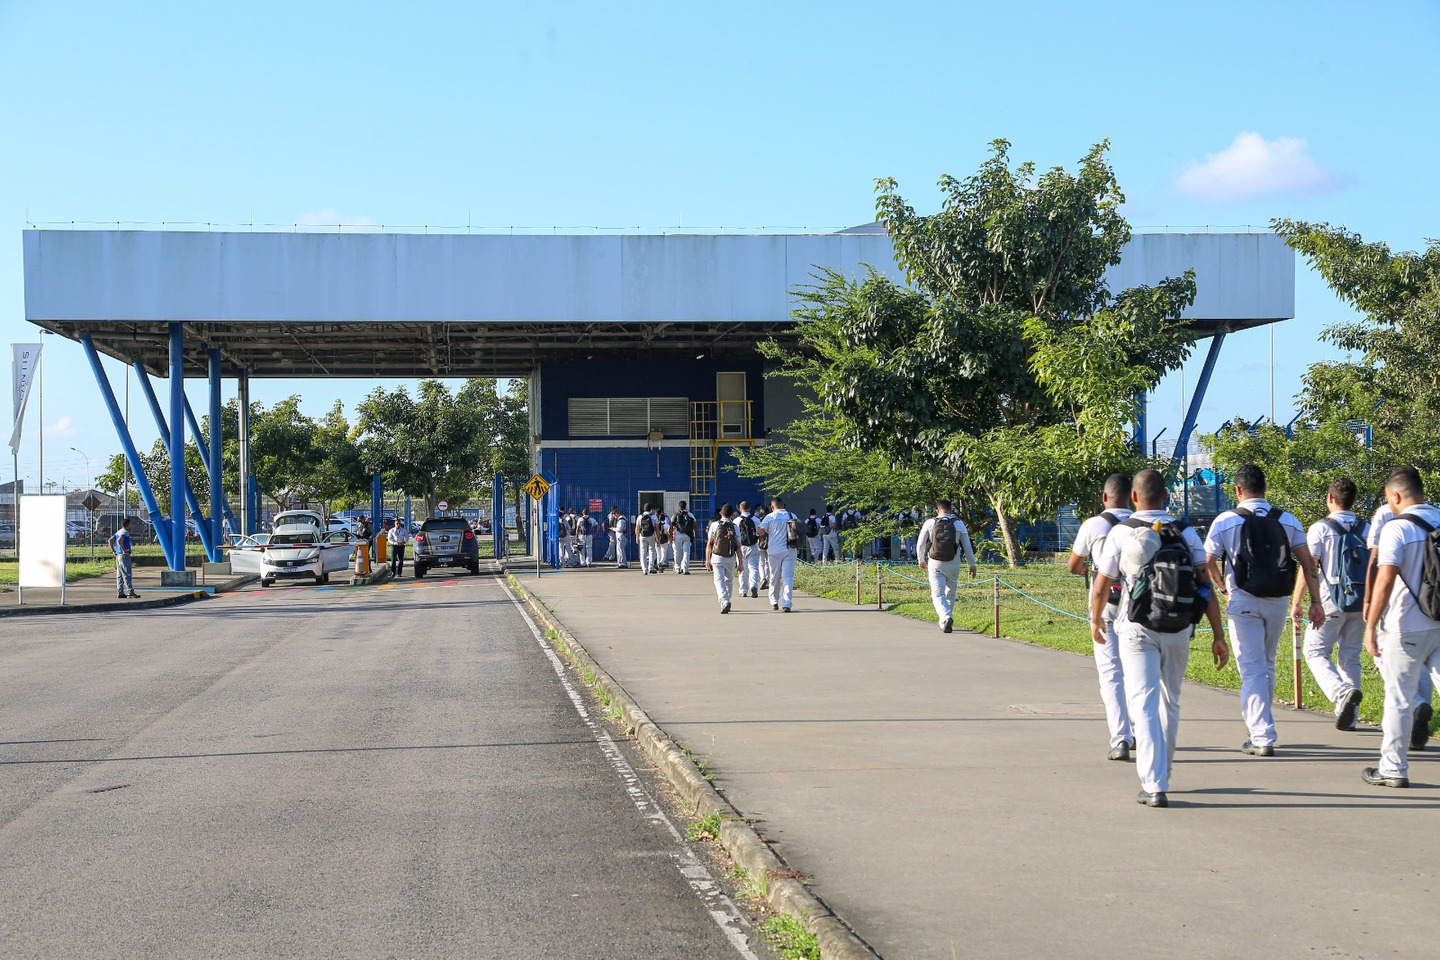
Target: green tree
(1299, 467)
(431, 445)
(1006, 367)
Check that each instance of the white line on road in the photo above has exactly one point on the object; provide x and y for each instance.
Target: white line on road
(720, 907)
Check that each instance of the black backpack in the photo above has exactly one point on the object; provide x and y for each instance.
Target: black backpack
(1264, 564)
(748, 536)
(812, 528)
(647, 526)
(944, 540)
(685, 524)
(1427, 597)
(723, 543)
(1115, 591)
(1163, 595)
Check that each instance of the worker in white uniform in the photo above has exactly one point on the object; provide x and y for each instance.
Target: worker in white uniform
(782, 543)
(763, 534)
(1261, 547)
(830, 536)
(942, 540)
(1089, 544)
(750, 551)
(812, 540)
(1341, 558)
(566, 539)
(647, 526)
(682, 532)
(1154, 660)
(619, 527)
(1402, 633)
(1424, 711)
(587, 539)
(722, 554)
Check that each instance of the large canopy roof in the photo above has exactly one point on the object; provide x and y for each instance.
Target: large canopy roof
(408, 305)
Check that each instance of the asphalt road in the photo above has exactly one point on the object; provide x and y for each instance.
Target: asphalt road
(336, 773)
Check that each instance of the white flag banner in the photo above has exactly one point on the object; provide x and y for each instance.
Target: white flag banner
(24, 361)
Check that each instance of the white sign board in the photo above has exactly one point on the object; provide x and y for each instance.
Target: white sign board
(42, 542)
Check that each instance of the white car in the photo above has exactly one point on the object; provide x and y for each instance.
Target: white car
(288, 517)
(300, 550)
(349, 524)
(246, 553)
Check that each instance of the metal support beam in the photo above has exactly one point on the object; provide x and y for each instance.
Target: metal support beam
(127, 444)
(1142, 426)
(497, 515)
(179, 485)
(162, 425)
(202, 443)
(247, 507)
(1182, 442)
(217, 481)
(377, 502)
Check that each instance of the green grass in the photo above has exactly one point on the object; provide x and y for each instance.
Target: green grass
(1024, 619)
(790, 938)
(74, 570)
(706, 828)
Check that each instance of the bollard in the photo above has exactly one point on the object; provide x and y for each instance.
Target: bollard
(1299, 656)
(879, 587)
(857, 581)
(996, 583)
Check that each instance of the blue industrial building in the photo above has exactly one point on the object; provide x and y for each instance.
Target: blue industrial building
(639, 349)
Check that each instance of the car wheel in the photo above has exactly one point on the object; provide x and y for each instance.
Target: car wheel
(266, 583)
(419, 572)
(322, 578)
(475, 568)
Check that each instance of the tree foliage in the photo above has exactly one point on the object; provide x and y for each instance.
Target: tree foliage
(1006, 368)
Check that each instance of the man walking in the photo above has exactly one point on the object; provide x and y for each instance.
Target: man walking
(618, 525)
(1089, 544)
(812, 536)
(763, 542)
(648, 526)
(829, 536)
(682, 532)
(1161, 565)
(396, 539)
(749, 537)
(782, 543)
(587, 538)
(1338, 545)
(1402, 625)
(120, 545)
(722, 544)
(1261, 547)
(942, 538)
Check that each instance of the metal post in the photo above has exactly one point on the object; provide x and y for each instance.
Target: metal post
(122, 432)
(247, 512)
(178, 483)
(996, 583)
(377, 506)
(879, 586)
(217, 481)
(188, 500)
(202, 443)
(1297, 653)
(1142, 422)
(1192, 412)
(497, 514)
(536, 538)
(857, 581)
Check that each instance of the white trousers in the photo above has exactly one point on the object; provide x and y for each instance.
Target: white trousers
(564, 551)
(683, 547)
(723, 570)
(782, 577)
(812, 544)
(587, 550)
(1404, 659)
(1345, 631)
(1256, 624)
(622, 550)
(944, 578)
(750, 568)
(830, 547)
(764, 565)
(649, 554)
(1112, 686)
(1154, 665)
(907, 548)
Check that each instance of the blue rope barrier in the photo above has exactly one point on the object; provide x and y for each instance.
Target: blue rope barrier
(1065, 613)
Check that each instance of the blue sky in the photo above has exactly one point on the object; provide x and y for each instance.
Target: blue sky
(736, 115)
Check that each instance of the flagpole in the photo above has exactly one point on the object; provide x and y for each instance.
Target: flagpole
(40, 386)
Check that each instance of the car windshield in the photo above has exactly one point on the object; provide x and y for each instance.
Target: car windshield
(288, 539)
(445, 523)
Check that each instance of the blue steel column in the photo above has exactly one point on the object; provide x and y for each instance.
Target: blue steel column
(497, 514)
(191, 501)
(377, 501)
(142, 483)
(1142, 422)
(202, 442)
(1182, 442)
(217, 481)
(177, 444)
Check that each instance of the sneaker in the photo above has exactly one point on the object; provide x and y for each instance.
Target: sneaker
(1121, 752)
(1268, 750)
(774, 606)
(1152, 799)
(132, 596)
(755, 594)
(120, 596)
(1420, 732)
(725, 608)
(764, 584)
(1345, 718)
(947, 625)
(786, 610)
(1375, 778)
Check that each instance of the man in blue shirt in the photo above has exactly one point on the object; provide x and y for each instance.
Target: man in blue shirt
(120, 544)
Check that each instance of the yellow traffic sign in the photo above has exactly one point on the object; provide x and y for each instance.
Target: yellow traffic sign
(537, 487)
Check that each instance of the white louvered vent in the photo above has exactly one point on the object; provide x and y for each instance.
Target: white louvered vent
(629, 416)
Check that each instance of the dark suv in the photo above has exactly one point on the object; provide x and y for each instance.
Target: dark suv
(446, 542)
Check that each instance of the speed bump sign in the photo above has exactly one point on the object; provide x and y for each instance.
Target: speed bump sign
(537, 487)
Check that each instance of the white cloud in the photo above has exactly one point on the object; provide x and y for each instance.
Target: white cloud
(332, 218)
(63, 429)
(1255, 167)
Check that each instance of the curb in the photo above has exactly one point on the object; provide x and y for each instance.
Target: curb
(112, 607)
(786, 895)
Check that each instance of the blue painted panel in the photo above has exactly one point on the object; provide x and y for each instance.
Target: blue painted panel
(616, 476)
(692, 379)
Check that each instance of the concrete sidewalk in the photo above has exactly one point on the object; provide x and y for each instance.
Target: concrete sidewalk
(949, 796)
(97, 594)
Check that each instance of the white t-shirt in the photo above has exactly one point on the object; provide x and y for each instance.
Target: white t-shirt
(1403, 545)
(396, 536)
(1090, 539)
(962, 536)
(774, 525)
(1108, 562)
(1324, 541)
(1224, 538)
(1382, 516)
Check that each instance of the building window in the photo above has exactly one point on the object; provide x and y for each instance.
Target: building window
(629, 417)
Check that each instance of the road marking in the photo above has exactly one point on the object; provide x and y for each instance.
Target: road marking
(720, 907)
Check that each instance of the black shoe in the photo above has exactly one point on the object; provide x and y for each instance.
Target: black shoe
(774, 606)
(1375, 778)
(1249, 748)
(1420, 733)
(1345, 719)
(1121, 752)
(132, 596)
(765, 585)
(725, 609)
(785, 610)
(1152, 799)
(755, 594)
(947, 625)
(120, 596)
